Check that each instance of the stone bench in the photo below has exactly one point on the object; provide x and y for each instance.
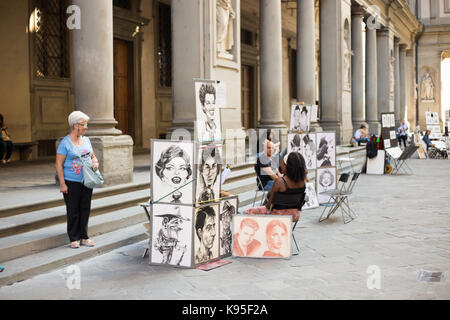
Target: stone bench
(27, 150)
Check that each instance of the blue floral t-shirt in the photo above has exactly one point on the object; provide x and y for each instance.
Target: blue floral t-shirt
(72, 168)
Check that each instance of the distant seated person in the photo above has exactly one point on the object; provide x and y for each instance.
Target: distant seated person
(293, 182)
(361, 135)
(6, 143)
(426, 139)
(276, 144)
(402, 133)
(266, 168)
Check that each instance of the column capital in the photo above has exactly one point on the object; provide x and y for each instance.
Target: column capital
(403, 46)
(358, 11)
(383, 32)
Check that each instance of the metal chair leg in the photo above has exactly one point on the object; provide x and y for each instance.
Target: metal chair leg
(295, 241)
(145, 253)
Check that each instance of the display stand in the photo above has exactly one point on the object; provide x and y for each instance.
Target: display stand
(398, 159)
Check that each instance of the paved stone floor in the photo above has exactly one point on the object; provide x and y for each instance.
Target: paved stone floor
(403, 227)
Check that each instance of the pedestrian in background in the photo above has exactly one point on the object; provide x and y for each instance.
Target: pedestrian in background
(5, 142)
(70, 174)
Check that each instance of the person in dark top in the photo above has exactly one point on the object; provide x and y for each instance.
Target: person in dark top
(426, 139)
(265, 167)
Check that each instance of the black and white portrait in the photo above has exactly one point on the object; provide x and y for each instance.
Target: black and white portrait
(300, 118)
(209, 165)
(294, 143)
(310, 196)
(208, 114)
(206, 237)
(308, 150)
(172, 174)
(326, 149)
(171, 235)
(228, 208)
(326, 182)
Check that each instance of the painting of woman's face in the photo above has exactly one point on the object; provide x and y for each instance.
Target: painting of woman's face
(176, 172)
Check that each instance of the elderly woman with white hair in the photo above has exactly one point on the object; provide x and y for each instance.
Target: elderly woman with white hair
(70, 174)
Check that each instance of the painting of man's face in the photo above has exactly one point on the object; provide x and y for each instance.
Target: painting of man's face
(208, 232)
(209, 107)
(246, 235)
(209, 171)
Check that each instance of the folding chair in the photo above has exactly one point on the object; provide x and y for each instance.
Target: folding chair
(338, 197)
(259, 188)
(289, 200)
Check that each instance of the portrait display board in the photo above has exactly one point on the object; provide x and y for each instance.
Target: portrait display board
(171, 235)
(300, 118)
(388, 130)
(326, 182)
(305, 144)
(206, 233)
(376, 164)
(326, 149)
(432, 117)
(227, 209)
(209, 168)
(262, 236)
(208, 124)
(435, 131)
(311, 201)
(172, 164)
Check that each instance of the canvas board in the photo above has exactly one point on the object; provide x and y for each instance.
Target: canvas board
(172, 173)
(326, 182)
(392, 120)
(311, 201)
(376, 165)
(228, 208)
(206, 233)
(171, 235)
(209, 168)
(305, 144)
(326, 149)
(435, 131)
(262, 236)
(392, 135)
(208, 124)
(394, 152)
(387, 143)
(300, 118)
(431, 117)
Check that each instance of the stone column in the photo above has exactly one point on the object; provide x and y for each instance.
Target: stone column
(94, 90)
(271, 64)
(385, 73)
(306, 49)
(403, 93)
(397, 81)
(335, 95)
(358, 111)
(372, 81)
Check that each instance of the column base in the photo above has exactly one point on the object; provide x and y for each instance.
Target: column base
(374, 127)
(115, 156)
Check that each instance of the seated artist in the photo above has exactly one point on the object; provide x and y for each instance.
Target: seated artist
(292, 182)
(426, 139)
(361, 135)
(266, 168)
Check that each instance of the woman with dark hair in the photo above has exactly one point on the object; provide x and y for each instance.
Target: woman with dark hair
(5, 142)
(174, 170)
(293, 181)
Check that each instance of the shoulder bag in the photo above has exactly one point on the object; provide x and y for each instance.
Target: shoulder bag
(91, 179)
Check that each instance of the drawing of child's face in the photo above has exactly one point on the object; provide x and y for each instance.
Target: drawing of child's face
(175, 172)
(209, 107)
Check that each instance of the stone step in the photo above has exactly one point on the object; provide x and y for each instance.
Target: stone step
(43, 218)
(41, 239)
(29, 266)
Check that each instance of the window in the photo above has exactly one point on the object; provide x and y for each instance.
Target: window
(51, 41)
(247, 37)
(164, 46)
(124, 4)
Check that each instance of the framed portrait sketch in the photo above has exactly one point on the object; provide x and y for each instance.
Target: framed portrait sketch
(311, 201)
(208, 124)
(262, 236)
(305, 144)
(172, 173)
(326, 182)
(300, 118)
(326, 149)
(294, 143)
(228, 208)
(206, 233)
(209, 168)
(171, 235)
